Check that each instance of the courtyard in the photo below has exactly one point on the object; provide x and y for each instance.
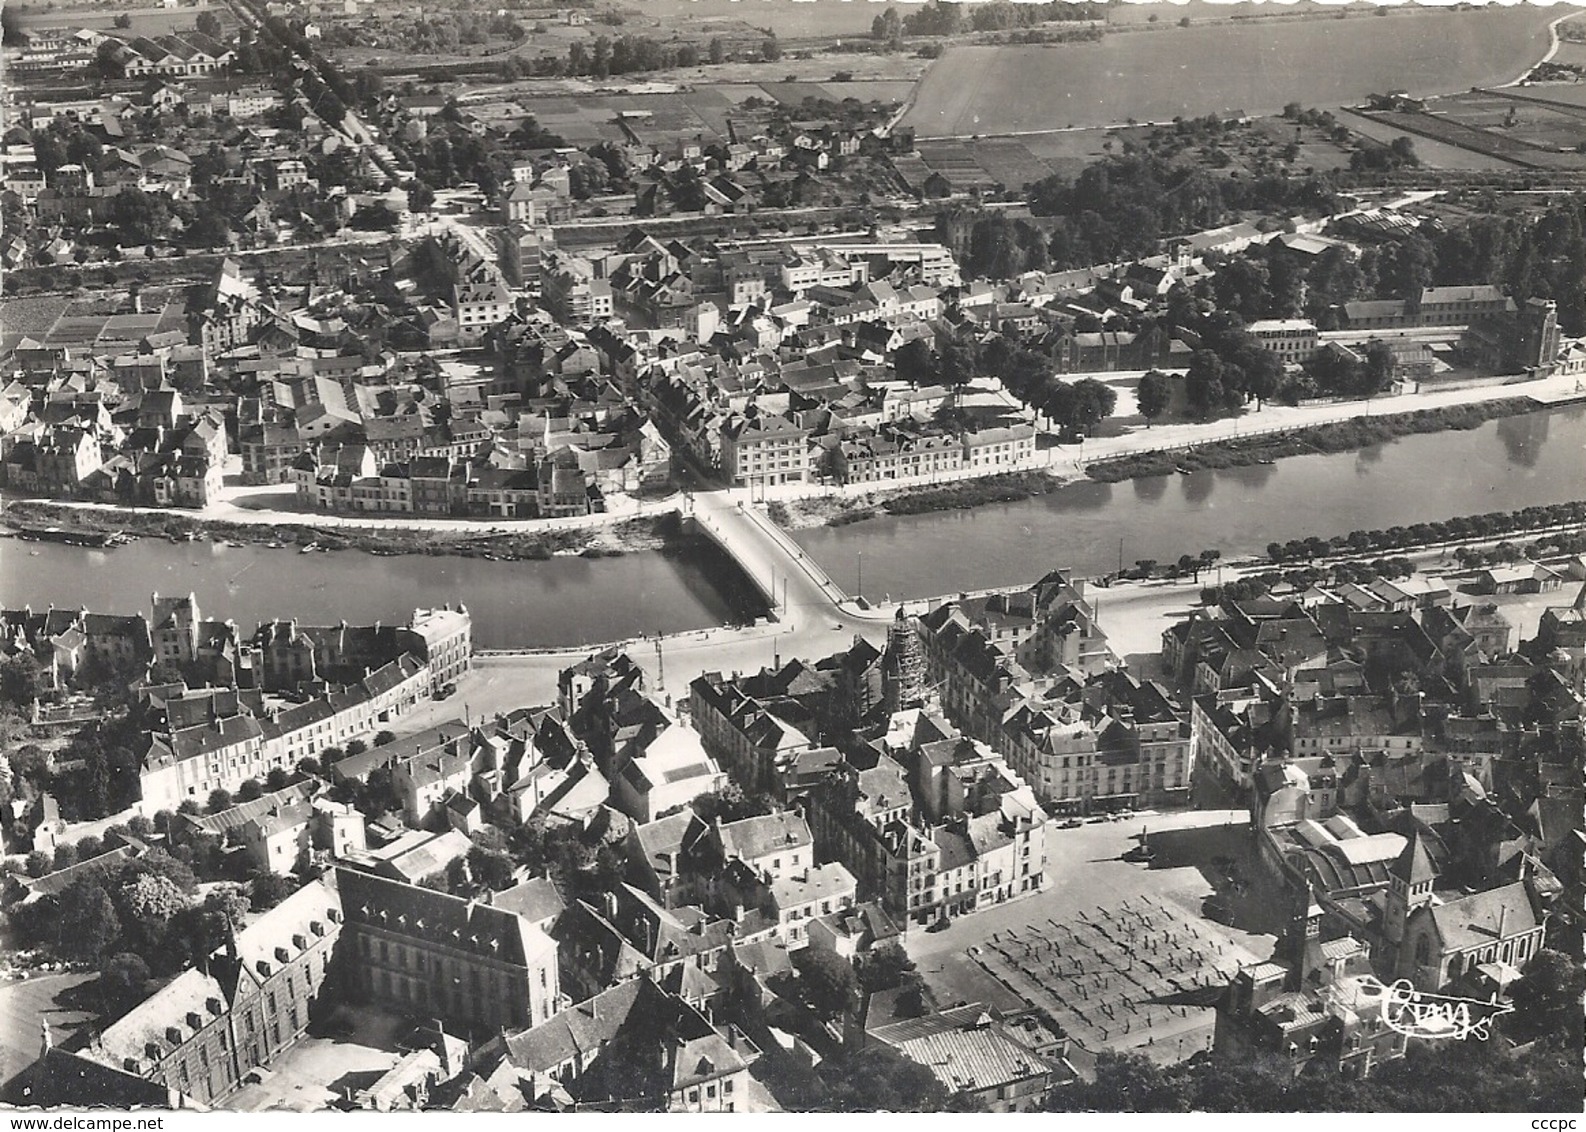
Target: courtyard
(325, 1072)
(1120, 952)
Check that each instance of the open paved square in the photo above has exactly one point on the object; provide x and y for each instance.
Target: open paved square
(1118, 952)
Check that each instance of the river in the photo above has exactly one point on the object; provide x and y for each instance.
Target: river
(561, 601)
(1501, 466)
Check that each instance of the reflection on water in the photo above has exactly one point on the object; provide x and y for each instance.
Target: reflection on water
(1085, 495)
(1198, 486)
(1252, 475)
(1150, 488)
(1523, 438)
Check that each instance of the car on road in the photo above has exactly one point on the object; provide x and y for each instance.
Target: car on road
(1071, 823)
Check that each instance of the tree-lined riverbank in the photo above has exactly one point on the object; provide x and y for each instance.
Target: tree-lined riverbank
(1344, 436)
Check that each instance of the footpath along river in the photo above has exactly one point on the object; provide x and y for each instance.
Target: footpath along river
(1504, 465)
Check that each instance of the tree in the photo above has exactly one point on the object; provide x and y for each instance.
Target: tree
(219, 799)
(1377, 374)
(277, 779)
(730, 804)
(122, 21)
(716, 51)
(830, 986)
(879, 1078)
(123, 982)
(377, 217)
(87, 924)
(356, 747)
(770, 49)
(1153, 394)
(209, 229)
(381, 738)
(886, 968)
(267, 890)
(209, 24)
(1125, 1082)
(39, 863)
(1203, 384)
(24, 679)
(250, 791)
(150, 900)
(144, 217)
(65, 855)
(1089, 403)
(1547, 997)
(490, 868)
(421, 198)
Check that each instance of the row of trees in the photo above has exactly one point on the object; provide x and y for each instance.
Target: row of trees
(628, 54)
(1337, 573)
(949, 19)
(1468, 527)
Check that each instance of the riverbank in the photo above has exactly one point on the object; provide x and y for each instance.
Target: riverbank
(1342, 436)
(843, 510)
(656, 532)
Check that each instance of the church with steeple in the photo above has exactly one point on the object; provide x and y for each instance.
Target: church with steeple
(1435, 936)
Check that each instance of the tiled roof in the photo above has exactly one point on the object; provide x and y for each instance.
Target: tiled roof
(765, 835)
(1484, 918)
(388, 905)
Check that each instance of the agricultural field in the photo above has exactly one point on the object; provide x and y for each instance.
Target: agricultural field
(1317, 151)
(789, 19)
(584, 117)
(1126, 13)
(1436, 154)
(145, 21)
(1568, 94)
(1498, 143)
(1571, 54)
(1257, 68)
(1528, 122)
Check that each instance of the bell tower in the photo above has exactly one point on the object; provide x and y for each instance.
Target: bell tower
(1409, 887)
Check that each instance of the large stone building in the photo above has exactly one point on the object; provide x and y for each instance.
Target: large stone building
(412, 949)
